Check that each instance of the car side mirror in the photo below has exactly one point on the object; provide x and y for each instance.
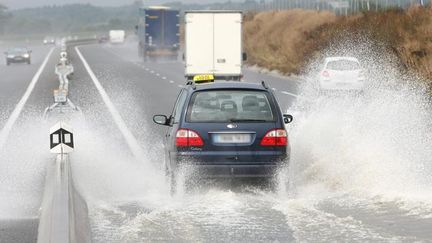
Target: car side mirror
(287, 118)
(161, 120)
(244, 56)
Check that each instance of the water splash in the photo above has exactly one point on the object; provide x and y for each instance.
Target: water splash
(377, 143)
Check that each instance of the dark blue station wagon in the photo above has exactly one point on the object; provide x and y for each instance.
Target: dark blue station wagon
(225, 129)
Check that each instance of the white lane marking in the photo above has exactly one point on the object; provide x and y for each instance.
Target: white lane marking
(164, 78)
(180, 86)
(4, 133)
(157, 74)
(121, 125)
(171, 82)
(289, 93)
(151, 71)
(274, 89)
(147, 69)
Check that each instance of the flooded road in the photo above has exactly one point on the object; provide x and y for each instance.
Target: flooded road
(360, 168)
(360, 171)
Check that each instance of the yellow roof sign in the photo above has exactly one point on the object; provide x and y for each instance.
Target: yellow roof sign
(205, 78)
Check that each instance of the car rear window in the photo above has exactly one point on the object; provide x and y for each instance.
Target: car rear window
(230, 106)
(343, 65)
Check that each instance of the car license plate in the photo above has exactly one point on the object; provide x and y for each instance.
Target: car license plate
(232, 138)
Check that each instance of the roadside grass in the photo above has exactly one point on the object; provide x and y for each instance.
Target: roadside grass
(287, 41)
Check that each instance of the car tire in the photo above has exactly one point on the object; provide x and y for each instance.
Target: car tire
(171, 177)
(28, 62)
(7, 63)
(165, 167)
(172, 183)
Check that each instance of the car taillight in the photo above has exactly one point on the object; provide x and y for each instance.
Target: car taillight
(325, 74)
(276, 137)
(188, 138)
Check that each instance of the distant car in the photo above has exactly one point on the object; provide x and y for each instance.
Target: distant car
(225, 130)
(18, 55)
(103, 39)
(341, 73)
(49, 41)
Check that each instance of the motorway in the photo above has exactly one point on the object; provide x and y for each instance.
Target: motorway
(117, 164)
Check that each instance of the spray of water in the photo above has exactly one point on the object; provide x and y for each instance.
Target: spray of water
(375, 144)
(22, 169)
(347, 150)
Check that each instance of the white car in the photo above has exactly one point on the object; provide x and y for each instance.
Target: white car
(341, 73)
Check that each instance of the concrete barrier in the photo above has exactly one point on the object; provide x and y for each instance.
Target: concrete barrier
(64, 213)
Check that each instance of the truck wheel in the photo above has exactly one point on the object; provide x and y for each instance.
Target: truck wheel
(7, 63)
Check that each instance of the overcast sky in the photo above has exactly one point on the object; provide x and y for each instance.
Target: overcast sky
(14, 4)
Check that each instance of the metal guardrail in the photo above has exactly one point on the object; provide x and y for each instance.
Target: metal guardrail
(81, 41)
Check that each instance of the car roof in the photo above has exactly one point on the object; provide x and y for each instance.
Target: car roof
(227, 85)
(330, 59)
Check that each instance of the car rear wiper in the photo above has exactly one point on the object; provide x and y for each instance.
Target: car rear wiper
(247, 120)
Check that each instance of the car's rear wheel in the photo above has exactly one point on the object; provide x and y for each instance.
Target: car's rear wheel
(170, 177)
(29, 62)
(179, 181)
(172, 183)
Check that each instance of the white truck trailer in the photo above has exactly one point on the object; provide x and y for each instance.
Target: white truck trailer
(117, 36)
(213, 44)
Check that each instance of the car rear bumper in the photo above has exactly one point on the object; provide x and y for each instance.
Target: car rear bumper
(205, 167)
(236, 171)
